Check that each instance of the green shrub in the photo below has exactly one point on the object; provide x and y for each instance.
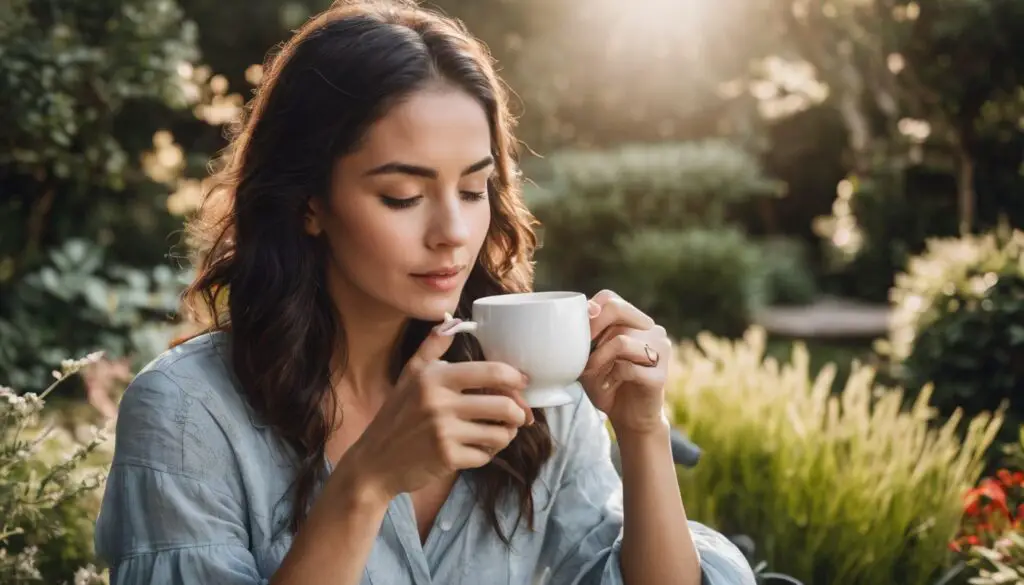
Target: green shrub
(86, 86)
(836, 489)
(1001, 564)
(120, 307)
(958, 322)
(578, 242)
(669, 185)
(786, 268)
(49, 494)
(691, 280)
(651, 221)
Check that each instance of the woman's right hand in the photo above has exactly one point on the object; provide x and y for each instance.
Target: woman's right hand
(431, 427)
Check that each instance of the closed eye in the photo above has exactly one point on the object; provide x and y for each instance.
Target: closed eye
(399, 202)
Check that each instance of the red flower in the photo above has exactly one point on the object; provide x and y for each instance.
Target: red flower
(1005, 478)
(988, 493)
(972, 540)
(971, 500)
(955, 546)
(1018, 477)
(994, 492)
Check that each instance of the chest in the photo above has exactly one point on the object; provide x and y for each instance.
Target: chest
(426, 502)
(460, 546)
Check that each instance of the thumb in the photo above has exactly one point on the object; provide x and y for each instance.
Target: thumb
(434, 346)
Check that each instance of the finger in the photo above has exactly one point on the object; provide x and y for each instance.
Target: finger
(469, 456)
(608, 333)
(511, 394)
(627, 372)
(483, 374)
(622, 347)
(616, 311)
(434, 346)
(496, 408)
(489, 438)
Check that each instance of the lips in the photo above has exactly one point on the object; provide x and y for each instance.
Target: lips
(441, 280)
(441, 273)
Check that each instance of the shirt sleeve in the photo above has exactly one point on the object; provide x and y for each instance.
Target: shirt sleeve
(584, 532)
(172, 511)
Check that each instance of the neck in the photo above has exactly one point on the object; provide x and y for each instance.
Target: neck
(371, 333)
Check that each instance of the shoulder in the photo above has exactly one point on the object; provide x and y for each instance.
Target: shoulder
(197, 372)
(198, 367)
(183, 410)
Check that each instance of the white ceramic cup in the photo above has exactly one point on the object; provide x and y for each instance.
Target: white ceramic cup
(545, 335)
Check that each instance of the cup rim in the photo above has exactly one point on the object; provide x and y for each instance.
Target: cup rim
(513, 299)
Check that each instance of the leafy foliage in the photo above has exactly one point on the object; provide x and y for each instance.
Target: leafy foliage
(119, 307)
(996, 551)
(1002, 563)
(669, 185)
(957, 322)
(788, 278)
(843, 488)
(653, 221)
(693, 280)
(84, 86)
(48, 491)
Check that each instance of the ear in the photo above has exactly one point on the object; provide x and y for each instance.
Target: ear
(314, 217)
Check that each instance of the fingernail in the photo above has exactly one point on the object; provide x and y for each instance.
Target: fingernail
(593, 309)
(445, 329)
(526, 379)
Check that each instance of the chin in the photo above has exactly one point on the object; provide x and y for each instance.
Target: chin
(432, 309)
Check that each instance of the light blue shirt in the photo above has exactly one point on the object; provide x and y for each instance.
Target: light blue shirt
(198, 494)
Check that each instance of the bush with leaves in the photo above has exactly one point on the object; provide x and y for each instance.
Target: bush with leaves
(1002, 563)
(692, 280)
(84, 89)
(653, 221)
(670, 185)
(991, 540)
(48, 490)
(835, 488)
(788, 279)
(958, 322)
(991, 509)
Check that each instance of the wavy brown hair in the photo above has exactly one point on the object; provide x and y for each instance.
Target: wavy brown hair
(262, 277)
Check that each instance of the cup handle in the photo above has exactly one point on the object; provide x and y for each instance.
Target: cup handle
(464, 327)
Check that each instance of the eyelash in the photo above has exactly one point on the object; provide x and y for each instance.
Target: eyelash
(407, 202)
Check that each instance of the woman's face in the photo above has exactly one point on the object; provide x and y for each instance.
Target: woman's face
(408, 212)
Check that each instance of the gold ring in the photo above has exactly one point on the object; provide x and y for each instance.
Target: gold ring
(652, 355)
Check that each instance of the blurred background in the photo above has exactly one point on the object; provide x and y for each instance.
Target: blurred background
(820, 199)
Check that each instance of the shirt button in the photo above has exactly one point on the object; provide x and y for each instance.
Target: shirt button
(446, 524)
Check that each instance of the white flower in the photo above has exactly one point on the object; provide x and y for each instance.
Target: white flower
(87, 575)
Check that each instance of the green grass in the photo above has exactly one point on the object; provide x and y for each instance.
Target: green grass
(841, 352)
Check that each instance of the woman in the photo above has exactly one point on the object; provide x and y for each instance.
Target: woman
(328, 428)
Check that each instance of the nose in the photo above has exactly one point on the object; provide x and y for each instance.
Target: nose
(449, 225)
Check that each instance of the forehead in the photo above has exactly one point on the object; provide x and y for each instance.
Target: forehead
(441, 128)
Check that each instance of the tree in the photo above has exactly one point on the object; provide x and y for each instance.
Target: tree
(84, 88)
(914, 81)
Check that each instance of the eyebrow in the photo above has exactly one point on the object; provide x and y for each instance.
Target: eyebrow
(426, 172)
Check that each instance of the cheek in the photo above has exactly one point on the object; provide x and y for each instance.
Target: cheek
(480, 215)
(370, 243)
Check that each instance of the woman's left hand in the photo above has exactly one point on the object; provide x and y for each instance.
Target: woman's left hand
(625, 376)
